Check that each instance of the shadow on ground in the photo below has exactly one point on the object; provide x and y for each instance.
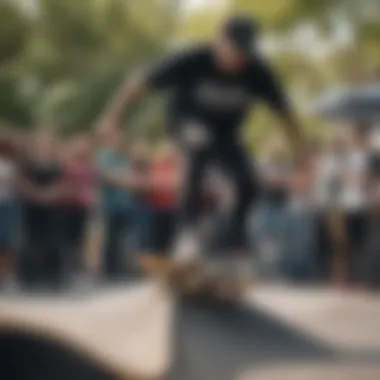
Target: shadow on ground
(219, 343)
(27, 356)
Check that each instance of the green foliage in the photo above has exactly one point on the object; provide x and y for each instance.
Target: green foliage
(358, 61)
(75, 53)
(59, 65)
(14, 30)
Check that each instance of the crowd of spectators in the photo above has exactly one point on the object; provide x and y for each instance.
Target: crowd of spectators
(82, 204)
(86, 205)
(319, 220)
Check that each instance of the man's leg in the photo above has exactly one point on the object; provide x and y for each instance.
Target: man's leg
(187, 244)
(242, 173)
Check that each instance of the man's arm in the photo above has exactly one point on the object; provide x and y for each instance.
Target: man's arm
(124, 178)
(293, 132)
(130, 91)
(25, 188)
(272, 93)
(165, 74)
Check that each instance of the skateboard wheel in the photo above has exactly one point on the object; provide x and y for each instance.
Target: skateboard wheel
(187, 279)
(192, 283)
(228, 288)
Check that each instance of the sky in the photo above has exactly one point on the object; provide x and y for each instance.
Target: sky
(306, 38)
(194, 5)
(190, 5)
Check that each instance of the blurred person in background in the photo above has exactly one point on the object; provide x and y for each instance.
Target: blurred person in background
(371, 249)
(342, 190)
(19, 141)
(329, 187)
(140, 217)
(80, 179)
(268, 220)
(116, 201)
(355, 197)
(371, 255)
(374, 165)
(213, 86)
(275, 168)
(164, 186)
(8, 211)
(300, 245)
(40, 186)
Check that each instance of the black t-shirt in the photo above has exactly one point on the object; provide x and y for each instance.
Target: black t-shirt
(41, 176)
(204, 93)
(374, 165)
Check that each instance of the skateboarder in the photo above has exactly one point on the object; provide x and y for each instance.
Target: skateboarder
(213, 86)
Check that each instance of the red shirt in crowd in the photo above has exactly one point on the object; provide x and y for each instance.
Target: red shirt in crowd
(80, 179)
(165, 180)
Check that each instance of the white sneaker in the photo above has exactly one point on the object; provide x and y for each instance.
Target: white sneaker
(82, 283)
(10, 285)
(195, 135)
(187, 248)
(244, 269)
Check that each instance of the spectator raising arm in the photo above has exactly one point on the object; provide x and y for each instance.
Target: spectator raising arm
(271, 93)
(123, 178)
(129, 91)
(293, 130)
(163, 75)
(25, 188)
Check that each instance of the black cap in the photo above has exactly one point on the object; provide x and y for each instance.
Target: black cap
(241, 31)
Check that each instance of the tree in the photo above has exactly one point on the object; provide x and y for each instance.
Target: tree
(76, 52)
(14, 29)
(13, 32)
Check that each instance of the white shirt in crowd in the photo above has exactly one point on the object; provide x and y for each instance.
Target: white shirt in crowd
(7, 177)
(341, 180)
(354, 192)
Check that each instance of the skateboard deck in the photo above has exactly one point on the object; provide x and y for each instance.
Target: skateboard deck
(197, 279)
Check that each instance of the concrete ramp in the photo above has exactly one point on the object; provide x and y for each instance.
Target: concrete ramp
(140, 332)
(124, 331)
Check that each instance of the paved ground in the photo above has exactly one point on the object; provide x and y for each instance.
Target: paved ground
(343, 321)
(224, 343)
(280, 334)
(316, 371)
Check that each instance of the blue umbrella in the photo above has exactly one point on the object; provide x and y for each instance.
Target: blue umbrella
(357, 104)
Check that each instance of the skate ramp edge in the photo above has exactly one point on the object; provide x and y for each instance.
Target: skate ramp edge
(61, 356)
(316, 371)
(109, 338)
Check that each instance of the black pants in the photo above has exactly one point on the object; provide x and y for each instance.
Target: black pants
(41, 258)
(74, 228)
(357, 229)
(117, 223)
(162, 231)
(231, 157)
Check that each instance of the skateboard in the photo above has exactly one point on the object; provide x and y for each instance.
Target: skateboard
(199, 279)
(215, 282)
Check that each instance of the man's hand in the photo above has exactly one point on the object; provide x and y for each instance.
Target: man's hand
(195, 136)
(294, 135)
(129, 91)
(106, 125)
